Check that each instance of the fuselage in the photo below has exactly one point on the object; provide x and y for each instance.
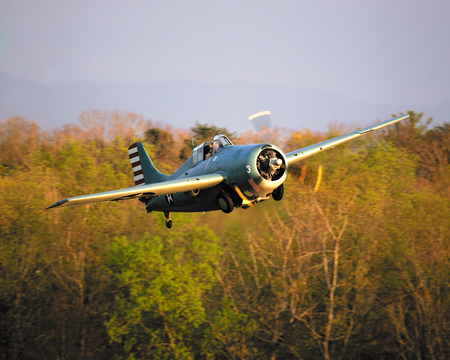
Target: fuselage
(246, 181)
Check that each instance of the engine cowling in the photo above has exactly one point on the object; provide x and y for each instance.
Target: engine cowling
(265, 170)
(271, 164)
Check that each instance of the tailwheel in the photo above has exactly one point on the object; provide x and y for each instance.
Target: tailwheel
(169, 220)
(278, 193)
(225, 203)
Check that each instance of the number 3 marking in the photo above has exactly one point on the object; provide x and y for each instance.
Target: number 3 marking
(249, 170)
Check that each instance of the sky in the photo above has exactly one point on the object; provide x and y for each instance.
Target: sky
(377, 52)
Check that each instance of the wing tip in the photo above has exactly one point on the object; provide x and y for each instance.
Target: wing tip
(402, 117)
(58, 203)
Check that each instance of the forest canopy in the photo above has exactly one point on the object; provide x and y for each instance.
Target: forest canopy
(358, 269)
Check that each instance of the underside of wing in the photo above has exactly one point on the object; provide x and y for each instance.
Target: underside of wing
(308, 151)
(149, 190)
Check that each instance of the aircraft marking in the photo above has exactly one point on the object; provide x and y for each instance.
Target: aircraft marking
(253, 184)
(170, 200)
(135, 161)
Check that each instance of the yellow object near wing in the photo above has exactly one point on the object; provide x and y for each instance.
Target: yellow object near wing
(319, 179)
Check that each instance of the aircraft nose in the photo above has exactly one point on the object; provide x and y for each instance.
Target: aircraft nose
(270, 164)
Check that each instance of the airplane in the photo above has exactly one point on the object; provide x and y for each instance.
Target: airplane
(218, 176)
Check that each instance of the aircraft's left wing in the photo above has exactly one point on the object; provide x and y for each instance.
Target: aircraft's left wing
(162, 188)
(308, 151)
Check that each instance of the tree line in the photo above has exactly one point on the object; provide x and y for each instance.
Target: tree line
(357, 268)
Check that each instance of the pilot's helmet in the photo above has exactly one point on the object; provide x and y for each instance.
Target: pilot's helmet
(218, 140)
(216, 143)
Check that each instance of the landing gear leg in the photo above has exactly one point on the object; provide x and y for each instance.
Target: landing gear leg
(169, 220)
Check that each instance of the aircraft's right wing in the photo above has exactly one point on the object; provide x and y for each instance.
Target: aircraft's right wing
(308, 151)
(156, 189)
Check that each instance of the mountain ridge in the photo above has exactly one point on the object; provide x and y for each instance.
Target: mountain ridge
(181, 103)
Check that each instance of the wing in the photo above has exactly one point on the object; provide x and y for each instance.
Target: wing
(162, 188)
(308, 151)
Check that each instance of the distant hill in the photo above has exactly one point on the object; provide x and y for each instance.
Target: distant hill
(182, 103)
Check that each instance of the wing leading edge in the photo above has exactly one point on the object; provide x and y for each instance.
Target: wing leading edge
(157, 189)
(308, 151)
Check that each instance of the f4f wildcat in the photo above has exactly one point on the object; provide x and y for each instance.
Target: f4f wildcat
(218, 176)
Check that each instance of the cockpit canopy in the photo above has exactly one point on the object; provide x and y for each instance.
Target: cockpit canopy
(220, 141)
(207, 149)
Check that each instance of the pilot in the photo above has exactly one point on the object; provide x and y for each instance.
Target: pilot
(209, 152)
(216, 144)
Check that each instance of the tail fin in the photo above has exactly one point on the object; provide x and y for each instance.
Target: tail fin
(144, 170)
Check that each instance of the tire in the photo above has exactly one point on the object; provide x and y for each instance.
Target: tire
(278, 193)
(225, 203)
(169, 224)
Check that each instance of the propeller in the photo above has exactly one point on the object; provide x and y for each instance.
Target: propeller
(261, 121)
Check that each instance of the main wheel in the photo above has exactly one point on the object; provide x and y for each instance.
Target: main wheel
(225, 203)
(278, 193)
(169, 224)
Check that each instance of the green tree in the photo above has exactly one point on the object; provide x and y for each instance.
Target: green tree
(165, 148)
(18, 139)
(159, 284)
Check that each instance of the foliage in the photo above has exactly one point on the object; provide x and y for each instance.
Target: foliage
(357, 270)
(164, 146)
(159, 284)
(201, 133)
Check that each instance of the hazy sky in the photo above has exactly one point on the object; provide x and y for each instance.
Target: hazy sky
(373, 51)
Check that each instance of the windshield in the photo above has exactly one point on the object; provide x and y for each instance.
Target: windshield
(220, 141)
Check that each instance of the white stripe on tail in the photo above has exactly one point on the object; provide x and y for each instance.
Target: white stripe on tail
(136, 165)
